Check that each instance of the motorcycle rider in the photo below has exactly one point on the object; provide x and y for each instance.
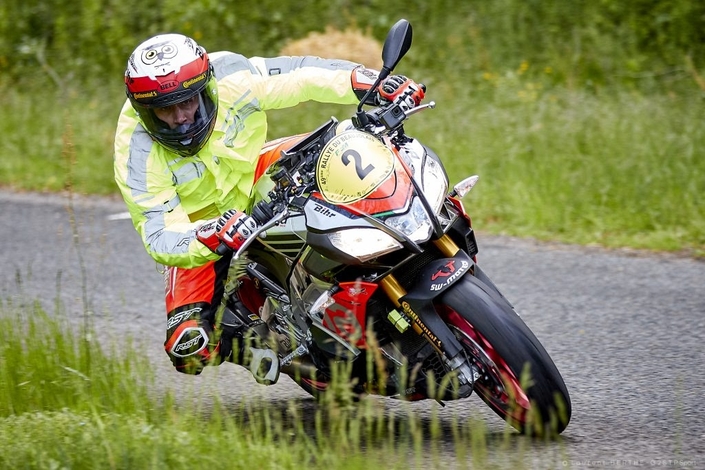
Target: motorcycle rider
(186, 147)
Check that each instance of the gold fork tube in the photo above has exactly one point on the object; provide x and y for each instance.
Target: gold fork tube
(395, 291)
(447, 246)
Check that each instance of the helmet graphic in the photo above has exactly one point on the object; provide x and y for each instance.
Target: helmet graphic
(170, 83)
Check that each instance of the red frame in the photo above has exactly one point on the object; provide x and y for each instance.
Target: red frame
(347, 317)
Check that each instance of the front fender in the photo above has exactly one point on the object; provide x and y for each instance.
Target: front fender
(440, 275)
(437, 279)
(417, 304)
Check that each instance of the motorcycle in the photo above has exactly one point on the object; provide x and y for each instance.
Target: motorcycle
(364, 256)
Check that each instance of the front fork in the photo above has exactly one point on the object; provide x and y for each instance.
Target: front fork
(453, 354)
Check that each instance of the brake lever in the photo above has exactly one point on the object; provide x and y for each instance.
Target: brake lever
(418, 109)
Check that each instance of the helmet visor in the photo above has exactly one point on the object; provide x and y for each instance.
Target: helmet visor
(181, 127)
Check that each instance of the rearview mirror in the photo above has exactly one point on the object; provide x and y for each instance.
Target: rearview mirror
(396, 45)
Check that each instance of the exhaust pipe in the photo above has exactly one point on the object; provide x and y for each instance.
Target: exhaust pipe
(300, 367)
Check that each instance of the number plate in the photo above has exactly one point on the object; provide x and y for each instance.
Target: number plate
(351, 166)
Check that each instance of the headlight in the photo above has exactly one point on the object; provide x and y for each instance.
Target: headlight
(432, 179)
(415, 224)
(435, 184)
(363, 243)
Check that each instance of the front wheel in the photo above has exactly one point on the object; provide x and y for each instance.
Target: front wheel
(519, 381)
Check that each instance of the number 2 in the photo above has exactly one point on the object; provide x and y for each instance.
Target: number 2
(361, 172)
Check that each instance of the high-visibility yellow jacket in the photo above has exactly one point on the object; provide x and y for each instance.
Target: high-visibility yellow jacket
(169, 196)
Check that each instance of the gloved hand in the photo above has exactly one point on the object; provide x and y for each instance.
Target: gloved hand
(402, 91)
(232, 229)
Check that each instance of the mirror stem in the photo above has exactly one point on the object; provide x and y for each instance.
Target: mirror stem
(384, 73)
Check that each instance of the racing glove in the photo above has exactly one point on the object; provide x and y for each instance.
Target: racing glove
(402, 91)
(232, 228)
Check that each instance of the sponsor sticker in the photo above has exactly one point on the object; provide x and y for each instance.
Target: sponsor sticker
(149, 94)
(450, 273)
(188, 83)
(181, 316)
(426, 331)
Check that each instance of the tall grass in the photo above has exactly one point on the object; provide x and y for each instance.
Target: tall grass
(49, 365)
(619, 171)
(35, 121)
(66, 402)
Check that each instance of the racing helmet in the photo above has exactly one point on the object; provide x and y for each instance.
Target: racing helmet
(168, 70)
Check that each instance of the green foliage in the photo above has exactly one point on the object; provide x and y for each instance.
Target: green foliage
(583, 118)
(64, 439)
(43, 367)
(598, 42)
(573, 167)
(58, 139)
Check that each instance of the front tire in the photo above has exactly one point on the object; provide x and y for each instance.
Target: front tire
(519, 380)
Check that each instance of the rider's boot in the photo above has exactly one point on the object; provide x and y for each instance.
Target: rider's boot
(242, 342)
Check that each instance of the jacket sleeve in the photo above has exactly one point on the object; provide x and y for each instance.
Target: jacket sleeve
(283, 82)
(155, 208)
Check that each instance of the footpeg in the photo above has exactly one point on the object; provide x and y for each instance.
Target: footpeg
(264, 365)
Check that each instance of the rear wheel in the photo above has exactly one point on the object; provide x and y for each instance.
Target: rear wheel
(519, 381)
(320, 386)
(314, 384)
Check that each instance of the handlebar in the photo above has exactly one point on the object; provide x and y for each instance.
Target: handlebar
(271, 223)
(268, 223)
(263, 212)
(222, 249)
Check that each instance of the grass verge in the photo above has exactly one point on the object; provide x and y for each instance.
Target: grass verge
(65, 403)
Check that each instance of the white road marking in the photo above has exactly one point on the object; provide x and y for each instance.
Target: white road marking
(119, 216)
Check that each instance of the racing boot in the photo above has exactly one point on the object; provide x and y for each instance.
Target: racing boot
(243, 342)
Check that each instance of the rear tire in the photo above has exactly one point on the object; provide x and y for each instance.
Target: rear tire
(520, 382)
(321, 387)
(314, 386)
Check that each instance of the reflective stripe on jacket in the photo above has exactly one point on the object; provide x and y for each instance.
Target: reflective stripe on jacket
(169, 196)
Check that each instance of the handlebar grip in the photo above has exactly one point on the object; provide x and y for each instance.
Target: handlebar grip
(222, 249)
(262, 212)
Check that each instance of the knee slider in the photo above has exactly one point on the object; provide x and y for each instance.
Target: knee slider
(188, 338)
(188, 347)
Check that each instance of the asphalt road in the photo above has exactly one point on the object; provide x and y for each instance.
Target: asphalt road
(626, 329)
